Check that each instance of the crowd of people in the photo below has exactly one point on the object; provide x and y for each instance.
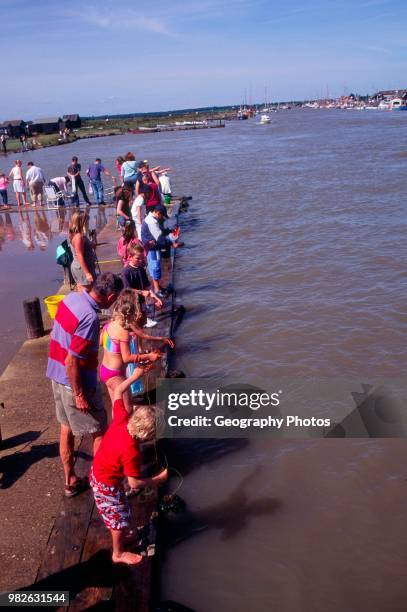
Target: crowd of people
(136, 179)
(133, 296)
(33, 180)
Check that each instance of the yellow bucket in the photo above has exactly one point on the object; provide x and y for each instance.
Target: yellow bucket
(52, 303)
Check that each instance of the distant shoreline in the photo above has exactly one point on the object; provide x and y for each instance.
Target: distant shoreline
(98, 128)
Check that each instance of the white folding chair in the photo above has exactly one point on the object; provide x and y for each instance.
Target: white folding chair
(109, 194)
(52, 197)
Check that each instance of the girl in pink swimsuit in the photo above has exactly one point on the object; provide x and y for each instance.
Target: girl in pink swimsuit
(127, 318)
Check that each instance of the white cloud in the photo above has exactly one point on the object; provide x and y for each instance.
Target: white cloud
(111, 19)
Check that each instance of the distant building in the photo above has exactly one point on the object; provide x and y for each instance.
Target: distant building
(46, 125)
(389, 94)
(72, 121)
(13, 128)
(346, 101)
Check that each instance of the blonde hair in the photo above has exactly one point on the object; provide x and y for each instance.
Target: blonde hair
(127, 310)
(78, 223)
(142, 424)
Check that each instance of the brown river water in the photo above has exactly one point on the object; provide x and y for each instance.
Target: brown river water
(294, 267)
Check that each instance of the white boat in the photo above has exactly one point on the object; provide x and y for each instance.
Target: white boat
(384, 105)
(264, 119)
(398, 104)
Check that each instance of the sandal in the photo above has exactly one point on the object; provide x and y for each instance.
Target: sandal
(79, 486)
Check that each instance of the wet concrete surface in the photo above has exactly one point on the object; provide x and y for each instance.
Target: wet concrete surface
(30, 472)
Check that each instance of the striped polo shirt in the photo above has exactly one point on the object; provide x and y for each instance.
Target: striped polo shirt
(75, 332)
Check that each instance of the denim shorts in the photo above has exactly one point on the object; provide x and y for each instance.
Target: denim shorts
(154, 264)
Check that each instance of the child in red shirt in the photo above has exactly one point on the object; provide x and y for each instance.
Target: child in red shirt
(118, 457)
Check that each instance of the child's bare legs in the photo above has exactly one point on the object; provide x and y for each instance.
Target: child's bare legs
(119, 554)
(111, 385)
(97, 438)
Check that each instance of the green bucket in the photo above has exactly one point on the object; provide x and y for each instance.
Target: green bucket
(167, 200)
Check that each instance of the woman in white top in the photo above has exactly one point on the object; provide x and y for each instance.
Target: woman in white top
(16, 173)
(138, 212)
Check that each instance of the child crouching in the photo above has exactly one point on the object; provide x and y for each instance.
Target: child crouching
(118, 456)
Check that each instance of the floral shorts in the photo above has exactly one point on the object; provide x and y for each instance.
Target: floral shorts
(112, 504)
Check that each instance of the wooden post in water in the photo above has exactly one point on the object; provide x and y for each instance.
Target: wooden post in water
(33, 318)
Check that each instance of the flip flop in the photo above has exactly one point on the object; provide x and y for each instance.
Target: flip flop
(79, 486)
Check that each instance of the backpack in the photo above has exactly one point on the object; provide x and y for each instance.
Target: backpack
(64, 255)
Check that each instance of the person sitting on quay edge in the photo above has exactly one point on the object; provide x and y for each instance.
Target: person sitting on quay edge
(123, 197)
(154, 238)
(117, 457)
(94, 173)
(35, 181)
(74, 172)
(72, 368)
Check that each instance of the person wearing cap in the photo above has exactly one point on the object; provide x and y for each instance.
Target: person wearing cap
(154, 237)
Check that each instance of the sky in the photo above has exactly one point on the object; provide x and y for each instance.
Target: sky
(109, 57)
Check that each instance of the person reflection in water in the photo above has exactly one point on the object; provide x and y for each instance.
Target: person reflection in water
(61, 215)
(2, 233)
(26, 230)
(10, 232)
(42, 232)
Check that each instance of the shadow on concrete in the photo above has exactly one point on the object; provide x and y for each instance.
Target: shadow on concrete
(21, 438)
(97, 571)
(13, 466)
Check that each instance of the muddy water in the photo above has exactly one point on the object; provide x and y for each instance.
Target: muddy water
(295, 267)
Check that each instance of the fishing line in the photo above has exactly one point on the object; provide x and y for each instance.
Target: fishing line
(167, 465)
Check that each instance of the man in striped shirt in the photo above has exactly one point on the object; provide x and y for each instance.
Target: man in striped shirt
(72, 368)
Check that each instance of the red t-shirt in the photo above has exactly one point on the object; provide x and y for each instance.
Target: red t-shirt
(118, 454)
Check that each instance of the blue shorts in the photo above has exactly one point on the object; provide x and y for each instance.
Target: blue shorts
(154, 264)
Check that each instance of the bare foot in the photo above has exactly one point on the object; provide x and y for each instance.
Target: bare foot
(127, 557)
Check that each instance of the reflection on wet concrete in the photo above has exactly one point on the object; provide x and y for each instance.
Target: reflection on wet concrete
(35, 229)
(28, 242)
